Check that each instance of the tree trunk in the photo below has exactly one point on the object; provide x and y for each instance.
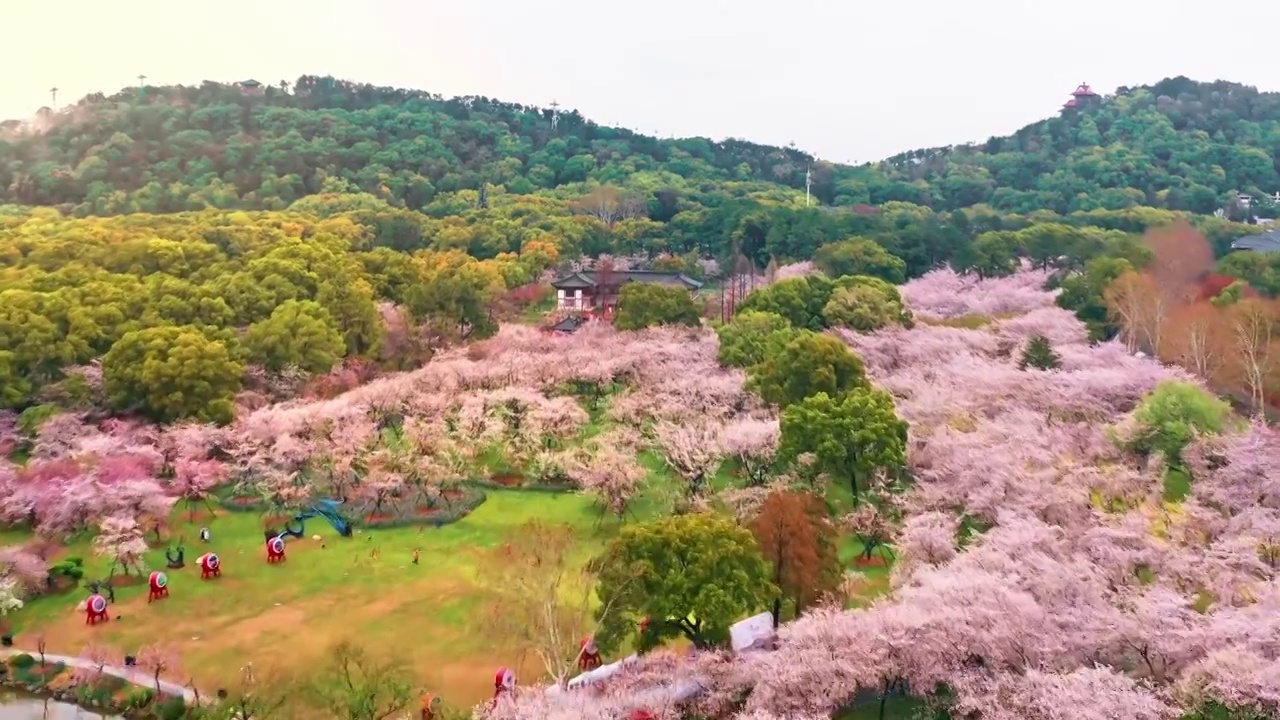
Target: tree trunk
(777, 611)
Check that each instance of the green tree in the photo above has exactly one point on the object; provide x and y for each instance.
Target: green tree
(851, 435)
(691, 576)
(455, 297)
(14, 388)
(170, 373)
(751, 336)
(1040, 355)
(809, 364)
(301, 334)
(353, 306)
(865, 304)
(1082, 294)
(642, 305)
(1171, 416)
(860, 256)
(991, 254)
(799, 300)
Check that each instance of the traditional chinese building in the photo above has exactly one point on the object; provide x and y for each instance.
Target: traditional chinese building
(596, 291)
(1084, 96)
(1267, 242)
(567, 325)
(251, 87)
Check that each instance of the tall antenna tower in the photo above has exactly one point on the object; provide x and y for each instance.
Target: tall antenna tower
(555, 114)
(54, 93)
(808, 181)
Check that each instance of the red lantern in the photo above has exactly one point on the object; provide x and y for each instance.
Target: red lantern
(159, 584)
(95, 609)
(210, 566)
(589, 657)
(275, 550)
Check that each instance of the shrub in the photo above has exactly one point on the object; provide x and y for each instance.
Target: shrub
(68, 568)
(171, 708)
(22, 661)
(32, 418)
(138, 698)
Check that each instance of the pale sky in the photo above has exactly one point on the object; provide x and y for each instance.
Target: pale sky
(848, 80)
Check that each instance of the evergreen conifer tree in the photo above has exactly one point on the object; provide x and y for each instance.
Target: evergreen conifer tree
(1039, 355)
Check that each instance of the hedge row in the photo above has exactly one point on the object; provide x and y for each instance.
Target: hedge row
(473, 498)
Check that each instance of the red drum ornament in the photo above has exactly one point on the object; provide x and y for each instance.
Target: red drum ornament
(95, 609)
(210, 566)
(159, 586)
(275, 550)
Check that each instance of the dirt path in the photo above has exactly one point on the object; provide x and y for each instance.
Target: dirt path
(133, 676)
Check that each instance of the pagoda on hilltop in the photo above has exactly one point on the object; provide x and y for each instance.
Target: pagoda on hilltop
(1084, 96)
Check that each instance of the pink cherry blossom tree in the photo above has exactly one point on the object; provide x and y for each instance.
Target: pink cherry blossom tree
(144, 500)
(383, 483)
(160, 659)
(693, 452)
(754, 444)
(121, 540)
(928, 539)
(194, 482)
(23, 567)
(71, 507)
(1085, 693)
(613, 477)
(96, 657)
(945, 294)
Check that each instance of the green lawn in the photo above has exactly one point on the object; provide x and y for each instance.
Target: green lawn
(288, 614)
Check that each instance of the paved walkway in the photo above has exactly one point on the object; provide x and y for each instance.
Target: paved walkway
(133, 676)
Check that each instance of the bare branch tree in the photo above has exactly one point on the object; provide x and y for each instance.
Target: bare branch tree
(540, 597)
(358, 686)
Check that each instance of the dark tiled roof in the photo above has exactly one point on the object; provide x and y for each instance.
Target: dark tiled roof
(569, 324)
(589, 278)
(1266, 242)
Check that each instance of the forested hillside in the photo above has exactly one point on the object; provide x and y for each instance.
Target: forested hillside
(166, 149)
(1178, 145)
(242, 221)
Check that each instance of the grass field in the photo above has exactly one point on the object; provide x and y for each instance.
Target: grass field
(286, 616)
